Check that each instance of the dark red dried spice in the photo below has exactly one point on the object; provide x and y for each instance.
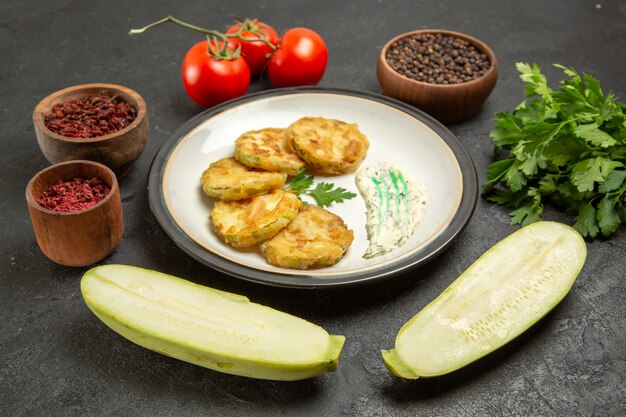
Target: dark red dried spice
(90, 116)
(74, 195)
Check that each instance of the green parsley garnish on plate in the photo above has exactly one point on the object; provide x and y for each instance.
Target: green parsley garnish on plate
(566, 147)
(324, 193)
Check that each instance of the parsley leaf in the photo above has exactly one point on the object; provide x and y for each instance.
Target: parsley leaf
(608, 218)
(539, 135)
(592, 134)
(589, 171)
(496, 170)
(507, 131)
(324, 193)
(613, 181)
(586, 223)
(514, 178)
(525, 215)
(301, 182)
(566, 146)
(536, 81)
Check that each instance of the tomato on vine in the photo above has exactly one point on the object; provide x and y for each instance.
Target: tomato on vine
(214, 71)
(257, 39)
(300, 59)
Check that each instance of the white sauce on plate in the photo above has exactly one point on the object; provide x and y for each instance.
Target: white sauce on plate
(396, 204)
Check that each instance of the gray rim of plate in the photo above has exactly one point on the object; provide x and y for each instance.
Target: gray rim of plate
(460, 219)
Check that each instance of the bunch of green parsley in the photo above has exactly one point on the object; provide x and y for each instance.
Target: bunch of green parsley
(566, 147)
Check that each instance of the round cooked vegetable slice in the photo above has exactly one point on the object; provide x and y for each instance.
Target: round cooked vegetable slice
(229, 179)
(328, 146)
(508, 289)
(247, 222)
(267, 149)
(207, 327)
(315, 238)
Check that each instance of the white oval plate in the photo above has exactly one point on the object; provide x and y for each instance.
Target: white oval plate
(400, 134)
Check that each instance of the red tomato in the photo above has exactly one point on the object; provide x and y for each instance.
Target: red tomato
(256, 53)
(300, 59)
(213, 77)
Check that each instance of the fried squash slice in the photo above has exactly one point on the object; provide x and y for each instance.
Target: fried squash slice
(315, 238)
(267, 149)
(328, 146)
(229, 179)
(247, 222)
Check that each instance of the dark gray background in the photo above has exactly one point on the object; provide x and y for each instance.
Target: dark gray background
(56, 358)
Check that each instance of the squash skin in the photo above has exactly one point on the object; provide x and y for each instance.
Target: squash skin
(196, 351)
(516, 283)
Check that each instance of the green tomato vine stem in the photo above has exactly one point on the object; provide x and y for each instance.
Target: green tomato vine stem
(247, 24)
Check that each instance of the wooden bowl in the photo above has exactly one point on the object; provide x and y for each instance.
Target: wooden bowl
(118, 150)
(449, 103)
(77, 238)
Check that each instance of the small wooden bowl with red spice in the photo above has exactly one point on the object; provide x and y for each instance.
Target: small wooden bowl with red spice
(90, 225)
(117, 122)
(415, 72)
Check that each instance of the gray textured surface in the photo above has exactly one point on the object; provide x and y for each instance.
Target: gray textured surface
(56, 358)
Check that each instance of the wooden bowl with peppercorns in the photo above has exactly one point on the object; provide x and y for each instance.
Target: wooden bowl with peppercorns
(447, 74)
(106, 123)
(76, 212)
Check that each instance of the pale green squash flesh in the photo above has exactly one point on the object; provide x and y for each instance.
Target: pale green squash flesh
(208, 327)
(508, 289)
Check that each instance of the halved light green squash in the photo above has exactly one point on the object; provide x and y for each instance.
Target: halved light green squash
(508, 289)
(208, 327)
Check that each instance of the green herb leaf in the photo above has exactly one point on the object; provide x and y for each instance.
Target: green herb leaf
(608, 219)
(568, 71)
(496, 170)
(595, 92)
(563, 150)
(514, 178)
(501, 197)
(508, 198)
(548, 184)
(325, 194)
(526, 214)
(592, 134)
(531, 165)
(586, 223)
(589, 171)
(539, 135)
(507, 130)
(614, 180)
(536, 81)
(301, 182)
(610, 108)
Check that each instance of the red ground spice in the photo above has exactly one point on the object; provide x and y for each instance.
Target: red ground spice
(90, 116)
(74, 195)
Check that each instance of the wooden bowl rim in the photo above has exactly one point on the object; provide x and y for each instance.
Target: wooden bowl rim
(482, 46)
(32, 202)
(38, 113)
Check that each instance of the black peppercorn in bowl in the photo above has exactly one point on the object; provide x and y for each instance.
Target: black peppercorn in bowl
(105, 123)
(447, 74)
